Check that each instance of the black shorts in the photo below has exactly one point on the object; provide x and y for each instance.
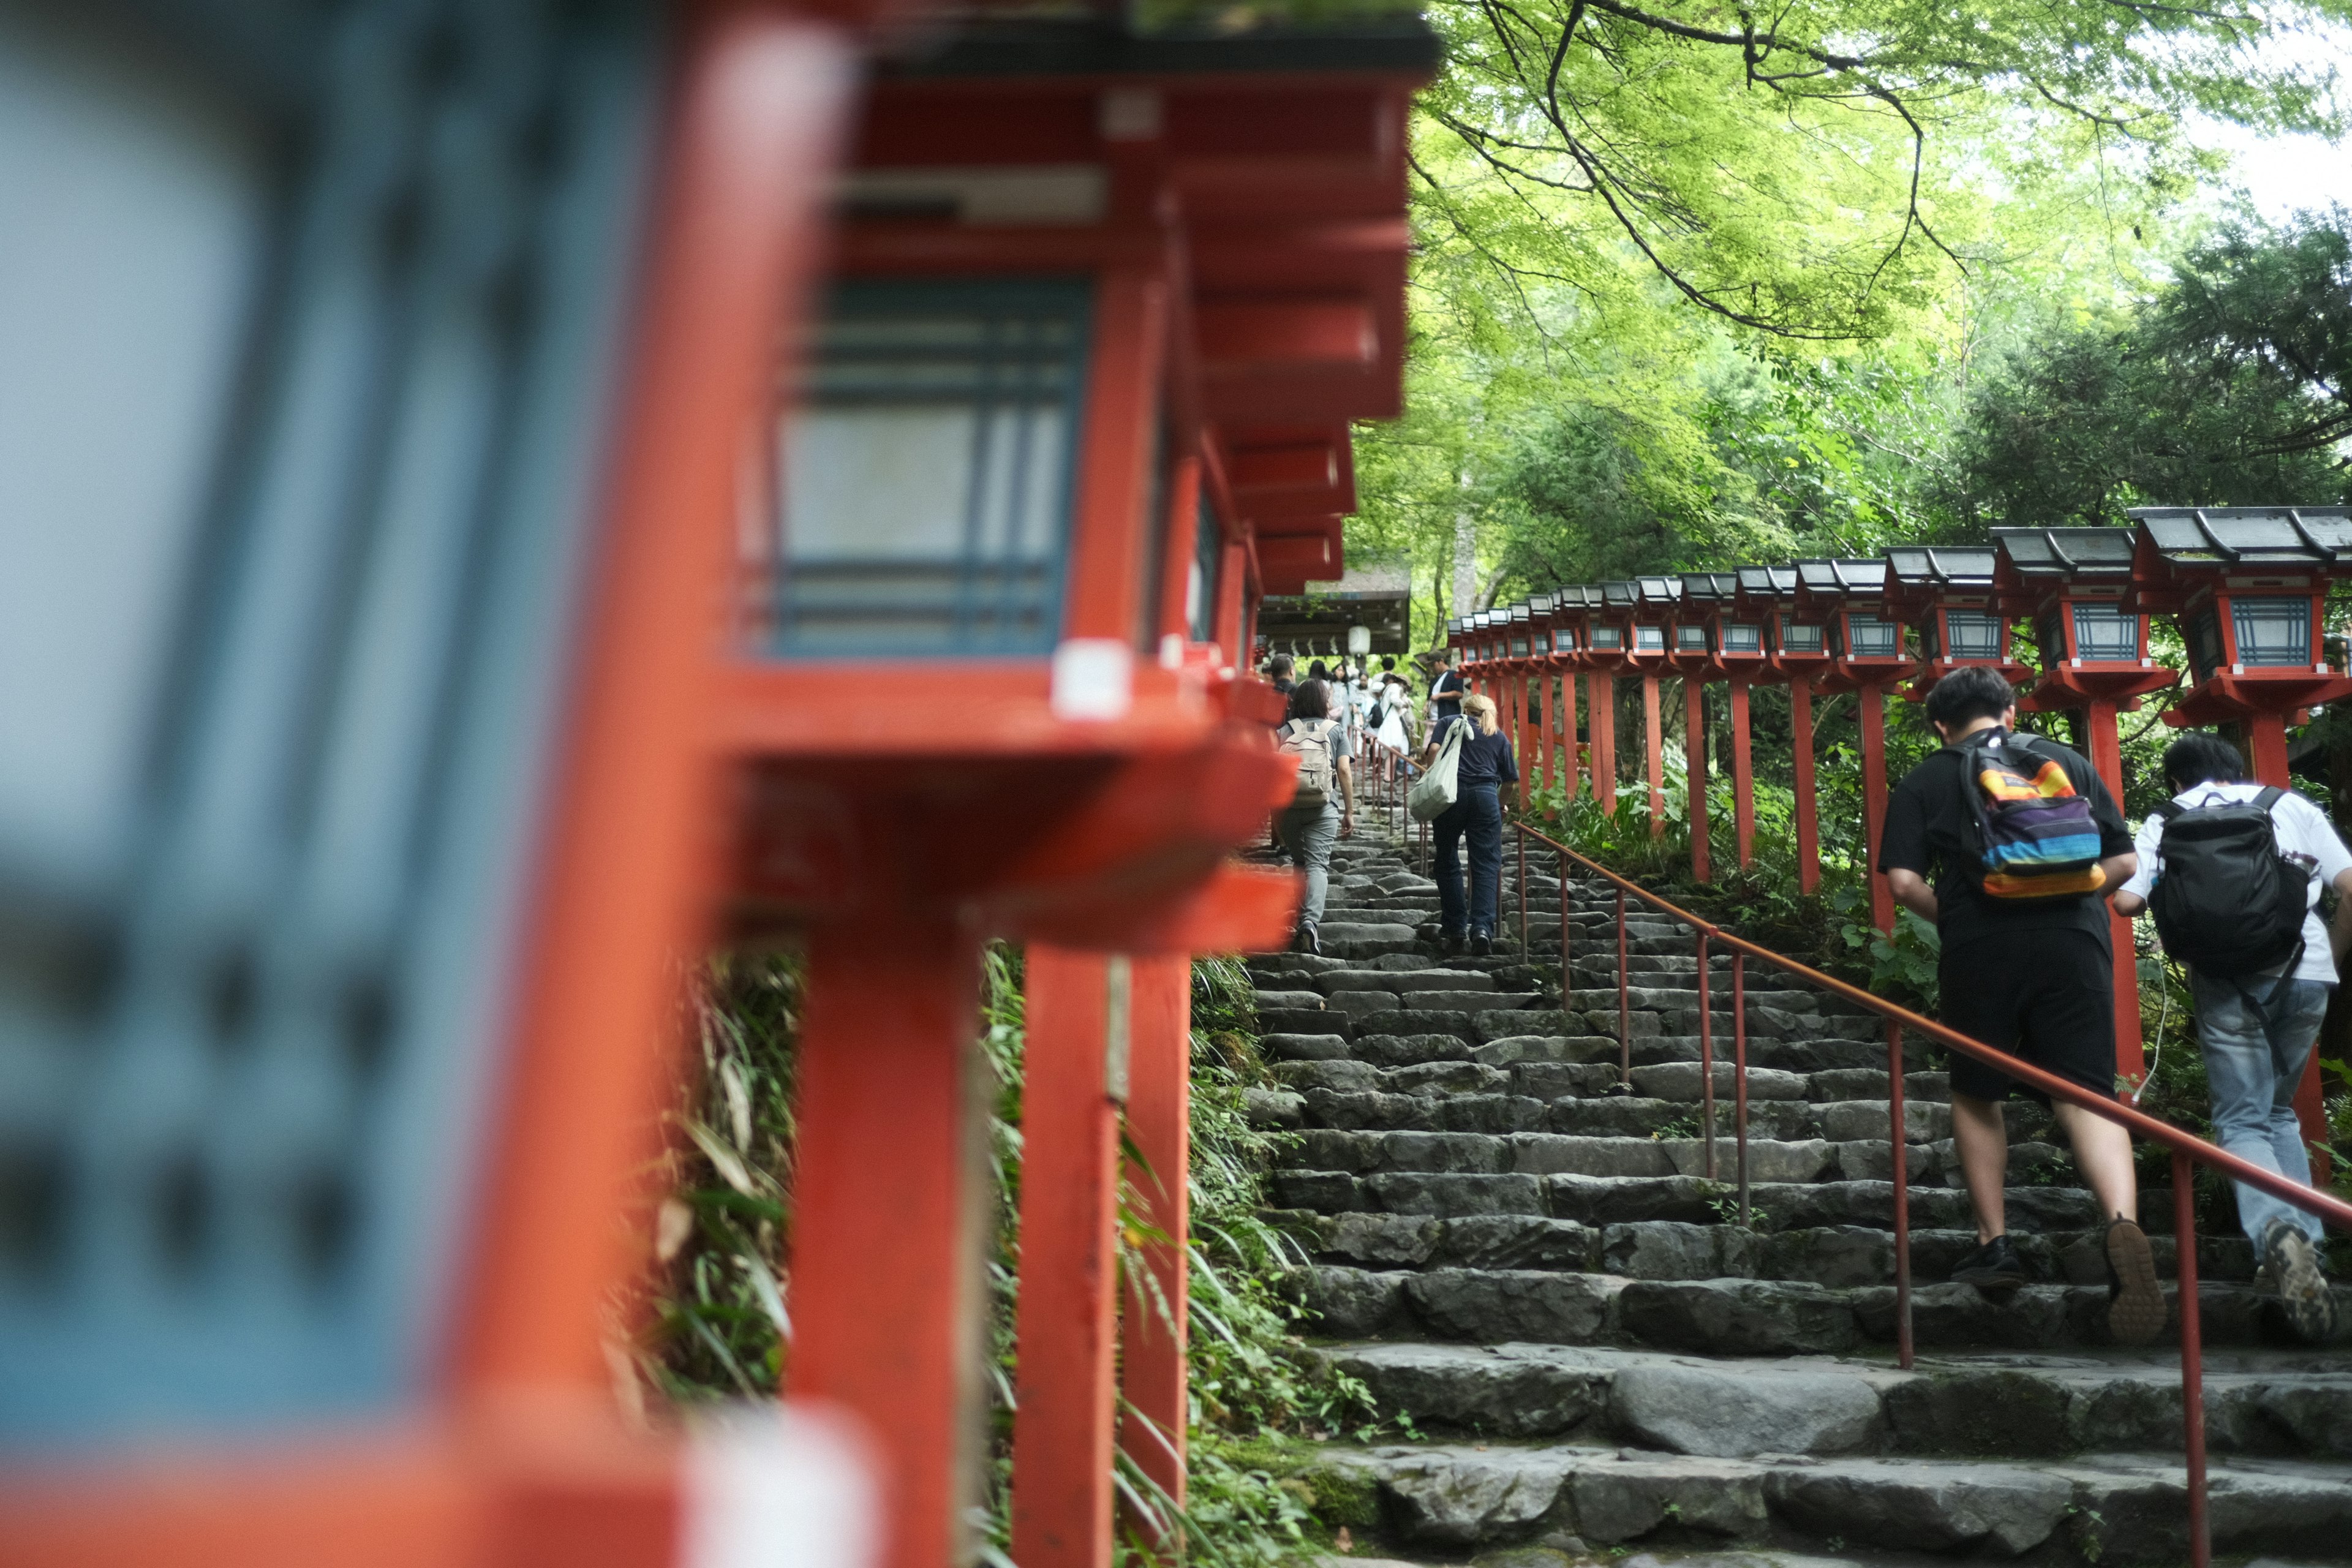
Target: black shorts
(2048, 997)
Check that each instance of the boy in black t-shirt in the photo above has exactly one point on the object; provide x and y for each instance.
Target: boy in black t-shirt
(1444, 696)
(2032, 977)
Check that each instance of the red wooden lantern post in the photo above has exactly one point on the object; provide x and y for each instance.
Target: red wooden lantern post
(2249, 585)
(1562, 662)
(2074, 588)
(1535, 768)
(1696, 593)
(1736, 655)
(1033, 356)
(456, 577)
(1608, 643)
(1520, 684)
(1655, 600)
(1866, 655)
(1573, 630)
(1796, 651)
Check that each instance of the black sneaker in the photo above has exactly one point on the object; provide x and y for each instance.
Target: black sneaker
(1307, 941)
(1994, 1267)
(2294, 1264)
(1449, 943)
(2137, 1312)
(1481, 944)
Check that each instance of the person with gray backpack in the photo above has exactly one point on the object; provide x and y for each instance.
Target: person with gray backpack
(1314, 820)
(2233, 872)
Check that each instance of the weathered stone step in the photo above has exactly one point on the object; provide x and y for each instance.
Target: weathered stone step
(1838, 1256)
(2110, 1508)
(2008, 1405)
(1742, 1316)
(1692, 1200)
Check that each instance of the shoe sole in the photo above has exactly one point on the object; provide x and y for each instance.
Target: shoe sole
(2303, 1293)
(1989, 1281)
(2138, 1315)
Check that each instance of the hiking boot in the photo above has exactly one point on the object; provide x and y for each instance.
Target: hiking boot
(2135, 1309)
(2294, 1264)
(1307, 941)
(1449, 943)
(1993, 1268)
(1481, 944)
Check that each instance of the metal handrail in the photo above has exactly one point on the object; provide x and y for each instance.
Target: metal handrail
(2188, 1149)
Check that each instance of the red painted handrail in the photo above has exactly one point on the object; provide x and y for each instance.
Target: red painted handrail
(2188, 1149)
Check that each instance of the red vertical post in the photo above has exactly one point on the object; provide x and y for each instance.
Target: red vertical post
(1695, 754)
(2193, 1357)
(1654, 750)
(1566, 718)
(2108, 761)
(1706, 1058)
(882, 1269)
(1156, 1323)
(1538, 754)
(1624, 1001)
(1739, 1075)
(1872, 699)
(1743, 778)
(1900, 1170)
(1800, 742)
(1600, 717)
(1065, 1333)
(2267, 743)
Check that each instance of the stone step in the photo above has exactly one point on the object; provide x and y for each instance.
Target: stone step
(1837, 1256)
(1745, 1317)
(2008, 1405)
(1692, 1200)
(2120, 1510)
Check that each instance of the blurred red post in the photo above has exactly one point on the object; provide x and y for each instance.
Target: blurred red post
(1065, 1333)
(880, 1177)
(1152, 1359)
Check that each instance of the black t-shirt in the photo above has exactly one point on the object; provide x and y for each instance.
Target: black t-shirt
(1446, 697)
(1930, 829)
(1485, 760)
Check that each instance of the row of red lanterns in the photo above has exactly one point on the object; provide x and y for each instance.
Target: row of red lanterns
(2248, 586)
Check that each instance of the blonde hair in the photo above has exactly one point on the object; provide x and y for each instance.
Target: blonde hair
(1480, 708)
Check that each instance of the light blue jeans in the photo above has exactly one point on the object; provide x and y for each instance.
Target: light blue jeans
(1308, 832)
(2255, 1050)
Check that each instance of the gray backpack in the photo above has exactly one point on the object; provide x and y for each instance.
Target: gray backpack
(1309, 741)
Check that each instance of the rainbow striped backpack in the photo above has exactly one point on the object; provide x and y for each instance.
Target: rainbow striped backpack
(2036, 836)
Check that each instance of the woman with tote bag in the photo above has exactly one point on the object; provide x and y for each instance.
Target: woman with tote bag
(1482, 762)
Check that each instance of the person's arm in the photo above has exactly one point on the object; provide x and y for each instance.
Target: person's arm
(1902, 853)
(2117, 859)
(1347, 799)
(2340, 930)
(2132, 895)
(1911, 892)
(2117, 869)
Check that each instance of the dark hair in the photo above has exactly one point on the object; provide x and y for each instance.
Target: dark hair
(1279, 665)
(1971, 691)
(2197, 758)
(1318, 670)
(1310, 699)
(1388, 661)
(1443, 656)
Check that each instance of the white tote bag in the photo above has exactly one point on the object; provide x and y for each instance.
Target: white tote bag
(1432, 793)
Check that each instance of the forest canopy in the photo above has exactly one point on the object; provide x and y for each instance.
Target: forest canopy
(1696, 283)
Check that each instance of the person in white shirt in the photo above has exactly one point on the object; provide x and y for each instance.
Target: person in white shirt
(2256, 1032)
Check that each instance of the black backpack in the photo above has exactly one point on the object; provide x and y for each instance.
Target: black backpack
(2228, 902)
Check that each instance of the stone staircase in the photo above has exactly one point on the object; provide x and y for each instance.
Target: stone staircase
(1527, 1264)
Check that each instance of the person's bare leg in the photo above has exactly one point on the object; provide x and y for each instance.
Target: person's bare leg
(2104, 1155)
(1981, 1140)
